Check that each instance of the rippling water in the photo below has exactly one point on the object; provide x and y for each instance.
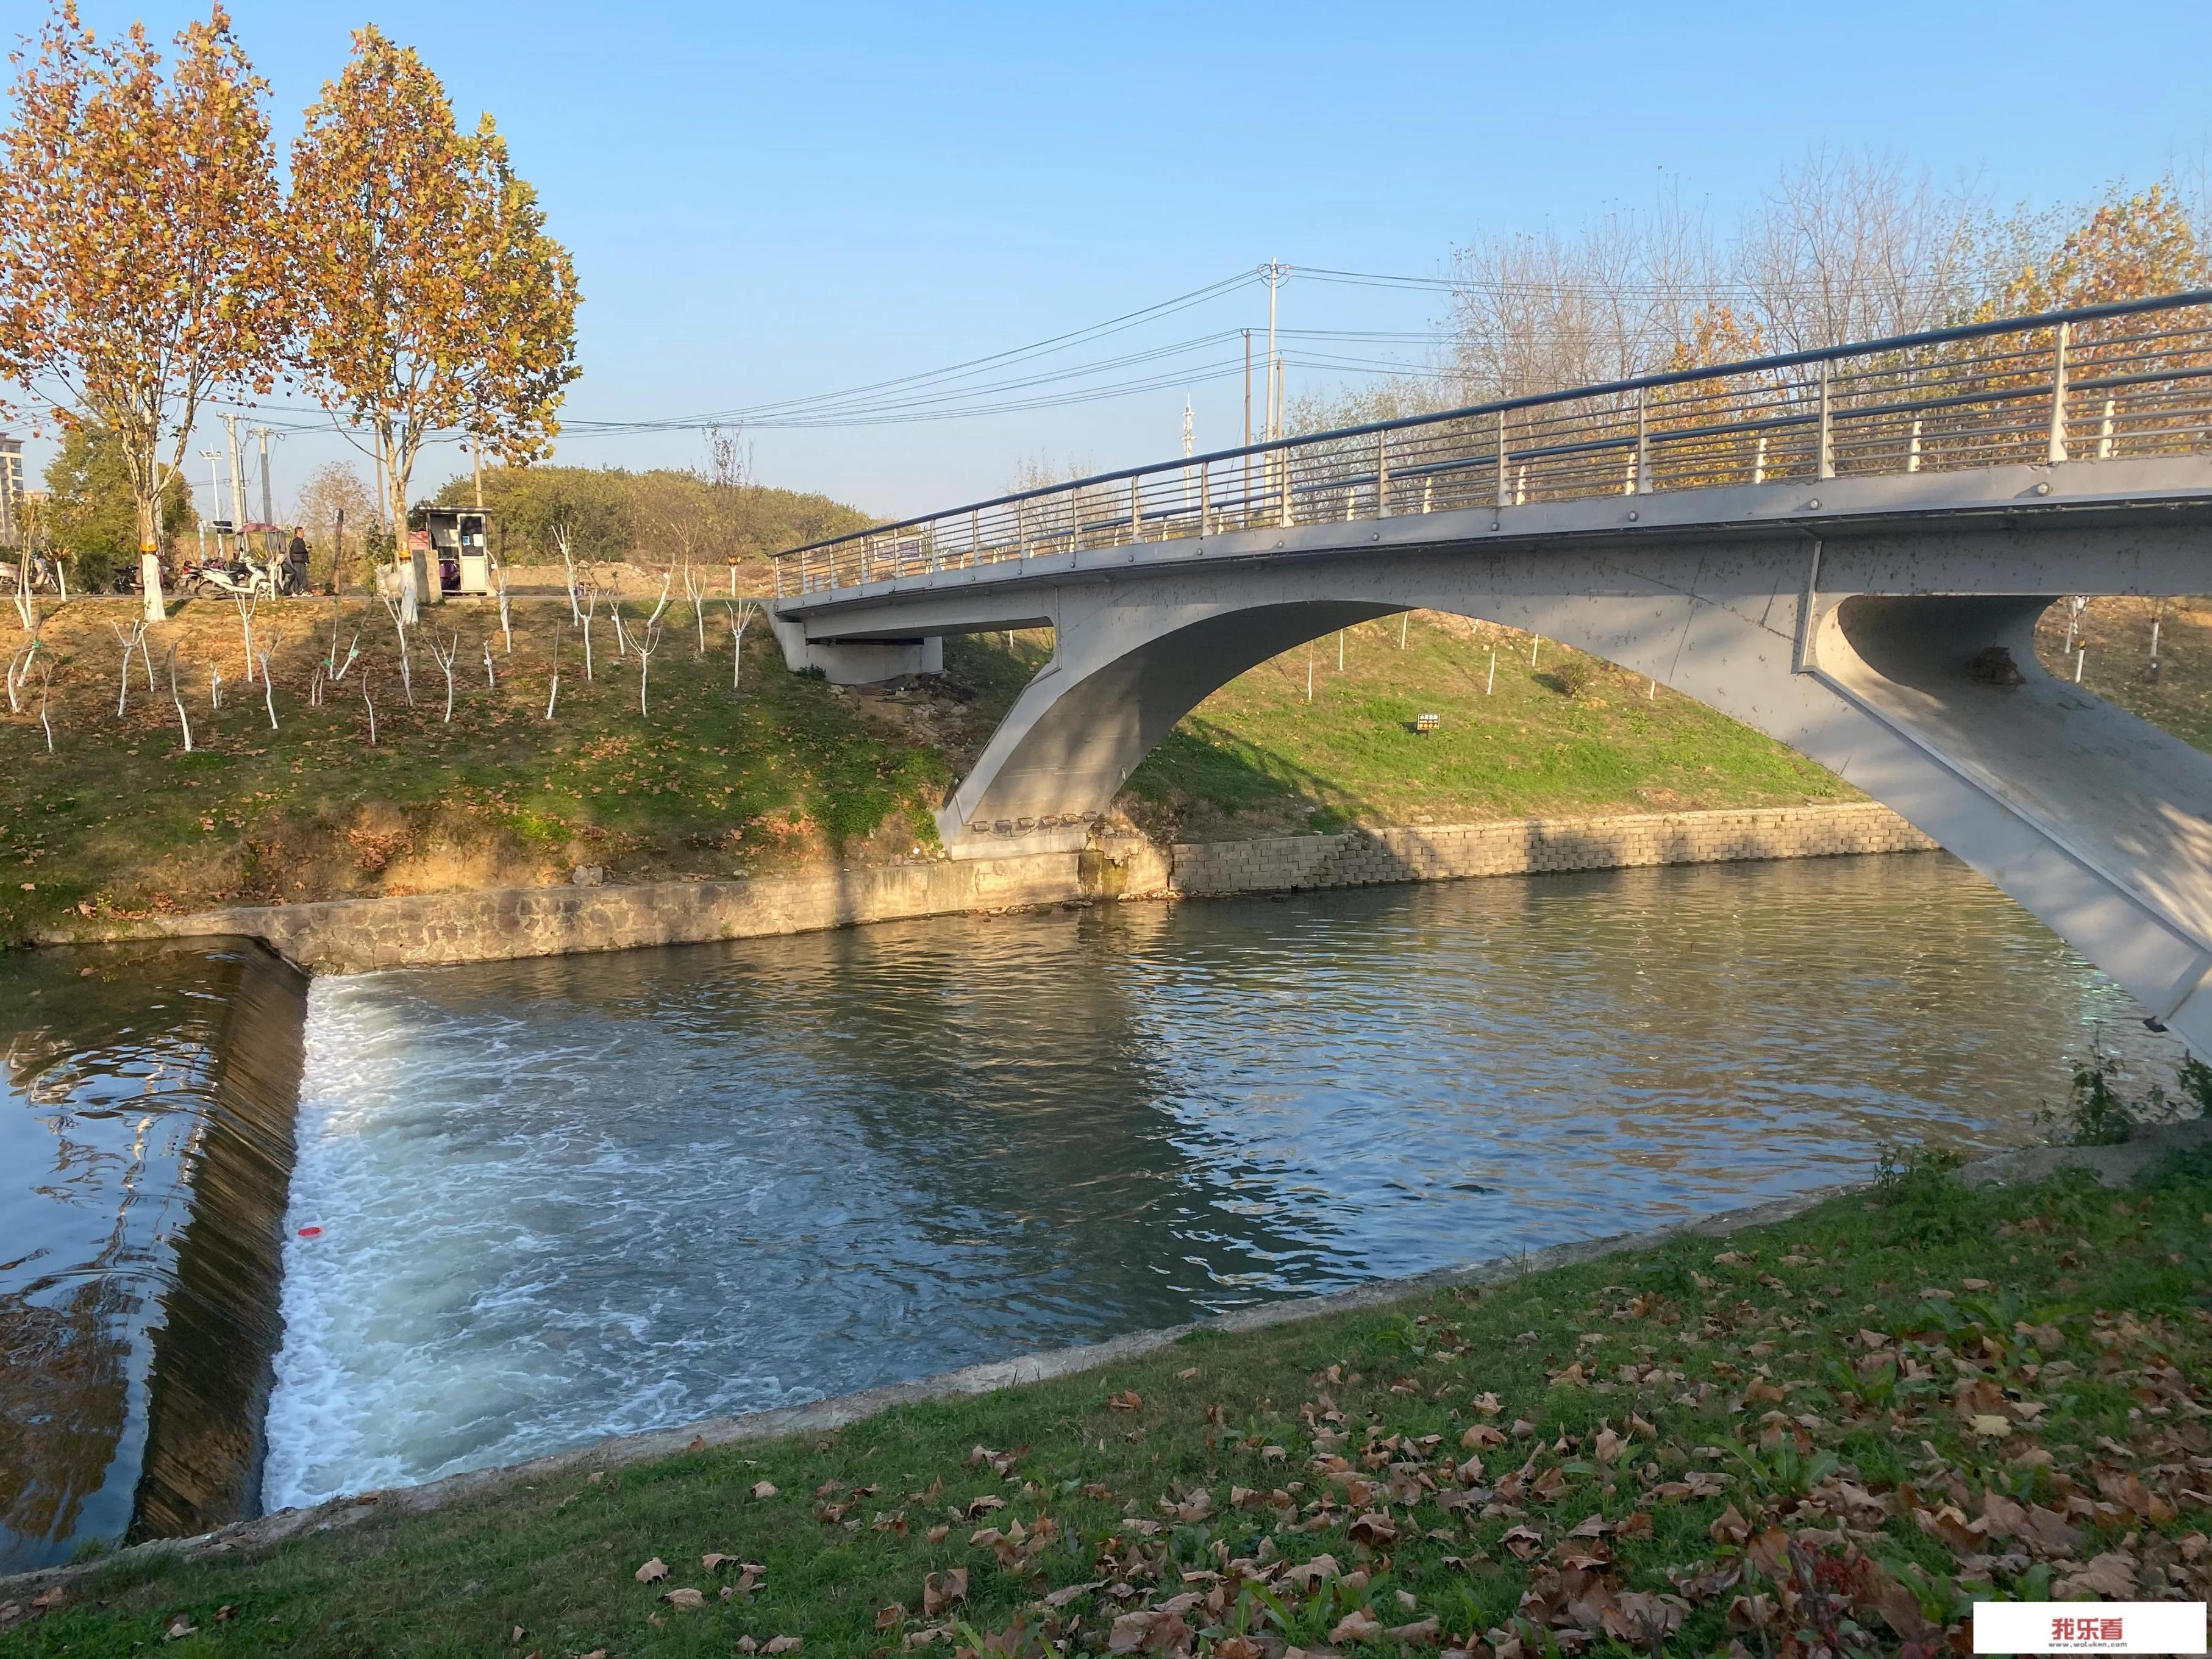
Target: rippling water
(567, 1197)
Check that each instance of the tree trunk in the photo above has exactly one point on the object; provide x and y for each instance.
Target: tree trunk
(150, 551)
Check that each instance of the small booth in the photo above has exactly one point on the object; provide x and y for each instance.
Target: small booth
(459, 541)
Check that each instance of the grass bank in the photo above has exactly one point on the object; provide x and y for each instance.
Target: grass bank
(1837, 1431)
(710, 778)
(1563, 733)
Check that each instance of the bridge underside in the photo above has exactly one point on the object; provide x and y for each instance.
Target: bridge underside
(1862, 640)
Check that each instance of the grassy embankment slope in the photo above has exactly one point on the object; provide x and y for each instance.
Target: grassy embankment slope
(793, 774)
(1838, 1429)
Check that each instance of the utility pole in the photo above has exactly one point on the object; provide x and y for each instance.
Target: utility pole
(1274, 283)
(237, 486)
(1248, 388)
(268, 507)
(476, 451)
(213, 458)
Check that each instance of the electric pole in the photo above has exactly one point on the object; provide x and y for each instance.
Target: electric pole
(237, 486)
(1275, 281)
(1248, 389)
(268, 508)
(212, 456)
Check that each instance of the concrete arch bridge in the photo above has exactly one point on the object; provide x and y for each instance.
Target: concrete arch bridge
(1847, 550)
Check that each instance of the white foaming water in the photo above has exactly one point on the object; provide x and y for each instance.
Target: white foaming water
(565, 1199)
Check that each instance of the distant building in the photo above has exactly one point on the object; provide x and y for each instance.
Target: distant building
(11, 485)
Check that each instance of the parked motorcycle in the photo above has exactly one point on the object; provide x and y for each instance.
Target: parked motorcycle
(240, 578)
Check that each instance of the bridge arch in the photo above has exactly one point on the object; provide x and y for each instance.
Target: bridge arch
(2095, 821)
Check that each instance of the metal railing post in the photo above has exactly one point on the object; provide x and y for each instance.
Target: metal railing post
(1021, 532)
(1381, 474)
(1501, 462)
(2104, 433)
(1643, 445)
(1912, 449)
(1283, 462)
(1136, 510)
(1825, 465)
(2057, 451)
(1205, 502)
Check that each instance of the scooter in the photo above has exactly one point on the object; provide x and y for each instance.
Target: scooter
(240, 578)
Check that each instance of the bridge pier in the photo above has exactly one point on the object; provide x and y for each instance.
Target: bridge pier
(858, 662)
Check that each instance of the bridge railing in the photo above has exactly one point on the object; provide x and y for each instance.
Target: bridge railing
(2133, 378)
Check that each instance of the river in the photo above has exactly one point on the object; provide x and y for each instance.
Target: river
(535, 1203)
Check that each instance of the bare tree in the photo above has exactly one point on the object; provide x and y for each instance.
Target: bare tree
(1540, 312)
(247, 603)
(444, 658)
(491, 680)
(395, 609)
(584, 623)
(1854, 247)
(694, 589)
(741, 617)
(645, 645)
(46, 684)
(176, 696)
(371, 704)
(130, 641)
(569, 564)
(268, 685)
(553, 691)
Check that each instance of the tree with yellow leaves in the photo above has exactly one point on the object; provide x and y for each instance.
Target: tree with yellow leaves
(139, 226)
(431, 298)
(2130, 248)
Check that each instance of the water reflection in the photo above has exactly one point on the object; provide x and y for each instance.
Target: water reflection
(146, 1138)
(566, 1198)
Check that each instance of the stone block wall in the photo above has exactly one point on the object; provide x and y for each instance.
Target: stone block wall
(1521, 846)
(343, 936)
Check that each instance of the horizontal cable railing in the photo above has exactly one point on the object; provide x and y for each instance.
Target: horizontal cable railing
(2133, 378)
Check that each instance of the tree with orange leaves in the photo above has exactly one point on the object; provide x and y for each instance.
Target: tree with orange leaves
(432, 299)
(139, 234)
(2131, 247)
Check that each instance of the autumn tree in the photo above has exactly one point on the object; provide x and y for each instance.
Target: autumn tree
(91, 513)
(138, 215)
(2131, 247)
(432, 299)
(334, 502)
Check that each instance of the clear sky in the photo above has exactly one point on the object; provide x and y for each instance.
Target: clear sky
(769, 201)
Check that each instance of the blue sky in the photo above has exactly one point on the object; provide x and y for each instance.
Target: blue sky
(766, 201)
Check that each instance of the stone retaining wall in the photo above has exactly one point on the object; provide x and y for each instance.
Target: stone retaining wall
(341, 936)
(1519, 847)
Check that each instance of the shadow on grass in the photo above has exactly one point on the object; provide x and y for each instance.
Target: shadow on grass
(1202, 761)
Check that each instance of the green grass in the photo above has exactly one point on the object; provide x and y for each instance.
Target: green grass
(1257, 757)
(2116, 633)
(1857, 1421)
(119, 821)
(795, 774)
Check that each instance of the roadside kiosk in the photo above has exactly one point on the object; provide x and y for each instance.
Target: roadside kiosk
(459, 541)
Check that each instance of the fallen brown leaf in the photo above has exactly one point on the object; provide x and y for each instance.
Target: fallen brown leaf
(652, 1571)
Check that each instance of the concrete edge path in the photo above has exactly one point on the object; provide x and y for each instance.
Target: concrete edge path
(2114, 1166)
(341, 936)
